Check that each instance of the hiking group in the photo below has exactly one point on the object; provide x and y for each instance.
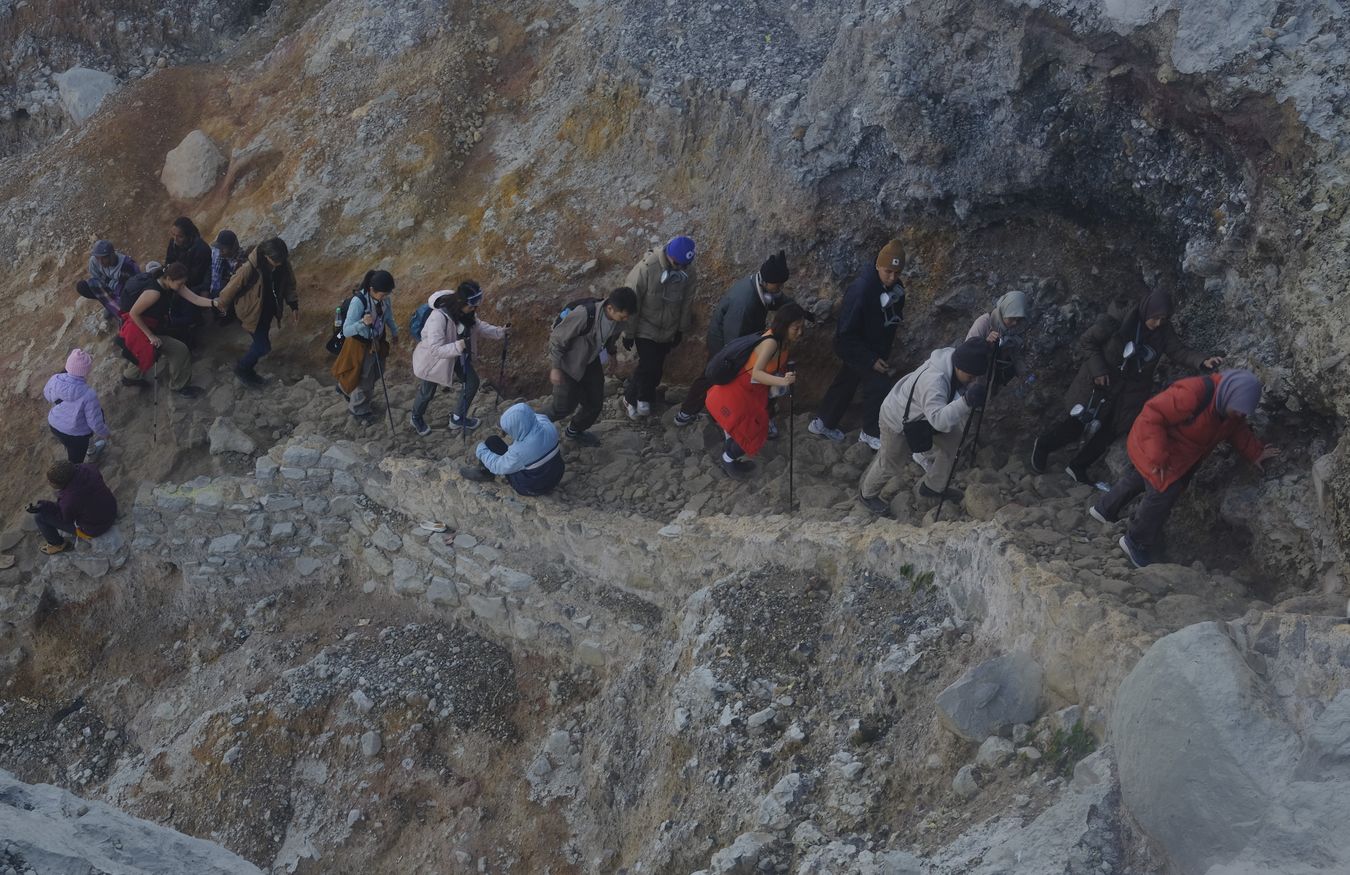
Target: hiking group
(924, 416)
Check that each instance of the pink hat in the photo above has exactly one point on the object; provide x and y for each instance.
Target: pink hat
(79, 363)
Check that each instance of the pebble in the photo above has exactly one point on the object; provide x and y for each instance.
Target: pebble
(371, 744)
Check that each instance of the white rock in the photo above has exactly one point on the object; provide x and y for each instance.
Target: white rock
(192, 167)
(965, 784)
(994, 752)
(371, 744)
(83, 91)
(226, 437)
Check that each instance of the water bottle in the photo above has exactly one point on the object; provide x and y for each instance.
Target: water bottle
(337, 317)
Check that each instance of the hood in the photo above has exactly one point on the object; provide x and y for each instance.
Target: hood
(436, 296)
(1239, 392)
(1013, 305)
(518, 420)
(940, 360)
(68, 388)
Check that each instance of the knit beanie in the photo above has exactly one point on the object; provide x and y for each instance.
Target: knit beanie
(892, 255)
(972, 356)
(774, 270)
(1239, 392)
(680, 250)
(79, 363)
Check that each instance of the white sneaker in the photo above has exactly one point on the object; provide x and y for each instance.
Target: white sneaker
(630, 409)
(817, 428)
(873, 442)
(1097, 515)
(644, 408)
(921, 460)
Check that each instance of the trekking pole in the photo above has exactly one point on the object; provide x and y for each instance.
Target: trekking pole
(501, 370)
(989, 382)
(951, 472)
(379, 369)
(792, 435)
(154, 406)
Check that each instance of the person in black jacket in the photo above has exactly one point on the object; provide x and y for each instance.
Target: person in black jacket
(871, 313)
(743, 310)
(187, 248)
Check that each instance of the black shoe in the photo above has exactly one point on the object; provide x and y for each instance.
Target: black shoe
(1138, 556)
(249, 377)
(875, 505)
(1077, 475)
(476, 473)
(1039, 457)
(190, 391)
(740, 469)
(135, 383)
(952, 494)
(364, 418)
(585, 438)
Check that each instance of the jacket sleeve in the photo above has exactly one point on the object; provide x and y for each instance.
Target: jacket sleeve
(636, 280)
(510, 462)
(236, 285)
(285, 282)
(434, 333)
(733, 319)
(941, 415)
(980, 328)
(48, 391)
(1171, 407)
(488, 330)
(691, 291)
(1176, 349)
(1093, 342)
(562, 336)
(353, 326)
(93, 413)
(1247, 443)
(850, 336)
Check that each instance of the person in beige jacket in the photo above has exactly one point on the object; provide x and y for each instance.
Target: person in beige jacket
(578, 346)
(665, 283)
(261, 285)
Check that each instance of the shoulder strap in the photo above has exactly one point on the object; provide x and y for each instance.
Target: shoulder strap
(904, 417)
(1205, 398)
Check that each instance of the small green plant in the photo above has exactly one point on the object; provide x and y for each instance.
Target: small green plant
(1067, 748)
(918, 580)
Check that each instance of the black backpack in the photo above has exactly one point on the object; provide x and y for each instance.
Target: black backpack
(591, 304)
(132, 288)
(730, 359)
(334, 344)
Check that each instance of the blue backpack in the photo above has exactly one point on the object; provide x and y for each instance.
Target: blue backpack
(419, 319)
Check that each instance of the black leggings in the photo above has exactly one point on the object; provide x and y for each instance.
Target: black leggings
(1068, 430)
(77, 446)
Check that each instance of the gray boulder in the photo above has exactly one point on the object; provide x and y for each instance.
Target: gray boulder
(992, 697)
(226, 437)
(192, 167)
(82, 91)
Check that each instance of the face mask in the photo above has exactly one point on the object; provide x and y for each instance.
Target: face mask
(676, 275)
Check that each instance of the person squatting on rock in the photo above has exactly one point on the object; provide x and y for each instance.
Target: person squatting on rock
(187, 247)
(871, 313)
(263, 283)
(1174, 433)
(926, 413)
(741, 407)
(365, 350)
(109, 271)
(1003, 328)
(84, 506)
(1112, 389)
(579, 345)
(76, 416)
(145, 304)
(226, 256)
(532, 463)
(447, 352)
(743, 310)
(665, 282)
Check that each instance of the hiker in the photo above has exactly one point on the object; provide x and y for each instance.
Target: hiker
(926, 413)
(1002, 328)
(871, 312)
(447, 352)
(1171, 437)
(365, 348)
(226, 257)
(665, 283)
(741, 407)
(76, 415)
(187, 247)
(581, 342)
(109, 271)
(84, 506)
(255, 294)
(145, 304)
(1111, 388)
(532, 463)
(743, 310)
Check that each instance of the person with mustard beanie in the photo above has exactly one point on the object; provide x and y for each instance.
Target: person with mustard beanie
(76, 416)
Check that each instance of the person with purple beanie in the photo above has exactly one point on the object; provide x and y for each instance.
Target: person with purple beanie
(665, 282)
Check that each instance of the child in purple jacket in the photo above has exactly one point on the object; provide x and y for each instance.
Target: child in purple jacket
(75, 416)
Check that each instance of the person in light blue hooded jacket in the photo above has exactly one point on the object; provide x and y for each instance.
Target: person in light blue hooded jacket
(532, 463)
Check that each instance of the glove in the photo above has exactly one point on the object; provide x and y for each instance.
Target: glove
(628, 343)
(679, 337)
(976, 393)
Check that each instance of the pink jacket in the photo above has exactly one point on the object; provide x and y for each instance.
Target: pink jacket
(435, 355)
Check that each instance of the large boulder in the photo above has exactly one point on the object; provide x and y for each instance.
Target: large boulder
(82, 91)
(192, 167)
(226, 437)
(992, 697)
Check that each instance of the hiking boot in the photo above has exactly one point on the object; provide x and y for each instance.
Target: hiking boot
(682, 419)
(875, 504)
(921, 460)
(737, 469)
(419, 425)
(1077, 475)
(1138, 555)
(630, 410)
(773, 430)
(135, 383)
(1099, 516)
(476, 473)
(585, 438)
(1039, 457)
(249, 377)
(952, 494)
(818, 429)
(468, 423)
(53, 549)
(190, 391)
(873, 442)
(364, 418)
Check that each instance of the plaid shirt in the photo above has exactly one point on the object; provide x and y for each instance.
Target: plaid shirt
(222, 269)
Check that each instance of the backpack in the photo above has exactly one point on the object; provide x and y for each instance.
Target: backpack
(728, 362)
(589, 303)
(133, 287)
(419, 318)
(334, 344)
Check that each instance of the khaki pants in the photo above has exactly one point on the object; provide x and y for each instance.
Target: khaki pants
(173, 355)
(942, 456)
(887, 463)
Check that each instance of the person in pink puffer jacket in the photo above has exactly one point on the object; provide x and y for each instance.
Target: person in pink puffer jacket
(76, 416)
(448, 351)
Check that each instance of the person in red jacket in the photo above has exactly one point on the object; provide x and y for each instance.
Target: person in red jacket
(1173, 434)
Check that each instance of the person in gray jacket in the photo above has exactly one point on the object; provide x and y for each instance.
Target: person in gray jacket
(581, 342)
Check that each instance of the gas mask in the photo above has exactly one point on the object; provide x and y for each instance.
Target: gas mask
(893, 304)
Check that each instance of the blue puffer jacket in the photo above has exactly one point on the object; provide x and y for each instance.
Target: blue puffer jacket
(533, 463)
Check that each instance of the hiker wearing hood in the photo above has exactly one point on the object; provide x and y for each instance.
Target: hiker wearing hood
(925, 415)
(1111, 389)
(665, 282)
(532, 463)
(1002, 328)
(869, 316)
(84, 506)
(109, 271)
(743, 310)
(448, 350)
(257, 294)
(1177, 429)
(76, 416)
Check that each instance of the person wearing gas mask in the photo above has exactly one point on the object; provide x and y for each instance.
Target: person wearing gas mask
(1115, 381)
(665, 283)
(868, 318)
(743, 310)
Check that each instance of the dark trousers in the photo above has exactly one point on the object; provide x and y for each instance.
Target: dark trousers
(1151, 514)
(647, 376)
(469, 382)
(77, 446)
(1068, 430)
(51, 525)
(840, 395)
(588, 392)
(731, 449)
(697, 397)
(261, 345)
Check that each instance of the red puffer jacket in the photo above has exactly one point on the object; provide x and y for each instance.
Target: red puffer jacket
(1169, 438)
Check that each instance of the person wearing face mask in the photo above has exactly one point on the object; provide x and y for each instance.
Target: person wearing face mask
(743, 310)
(365, 350)
(665, 282)
(872, 310)
(1173, 434)
(1002, 328)
(1111, 388)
